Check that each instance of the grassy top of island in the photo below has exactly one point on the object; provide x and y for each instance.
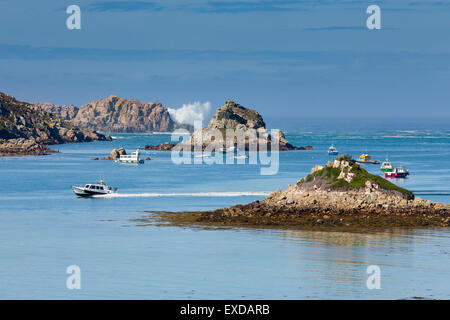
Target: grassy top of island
(332, 176)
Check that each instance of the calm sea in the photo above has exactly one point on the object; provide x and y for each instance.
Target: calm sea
(44, 228)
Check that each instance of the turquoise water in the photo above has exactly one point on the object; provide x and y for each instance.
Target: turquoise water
(44, 228)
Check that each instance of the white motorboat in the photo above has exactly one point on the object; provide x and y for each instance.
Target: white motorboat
(399, 172)
(93, 189)
(386, 166)
(133, 158)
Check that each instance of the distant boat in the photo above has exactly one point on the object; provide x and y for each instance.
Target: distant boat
(133, 158)
(386, 166)
(399, 172)
(202, 155)
(332, 151)
(241, 156)
(93, 189)
(225, 150)
(365, 158)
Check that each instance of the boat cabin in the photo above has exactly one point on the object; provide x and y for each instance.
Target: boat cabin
(131, 158)
(95, 187)
(364, 157)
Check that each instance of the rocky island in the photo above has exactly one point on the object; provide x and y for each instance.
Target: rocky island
(26, 129)
(339, 195)
(116, 114)
(248, 128)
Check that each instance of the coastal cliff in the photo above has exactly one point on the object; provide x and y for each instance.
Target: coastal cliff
(65, 112)
(339, 195)
(26, 129)
(247, 125)
(115, 114)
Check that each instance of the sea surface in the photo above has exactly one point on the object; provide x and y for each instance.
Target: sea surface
(44, 228)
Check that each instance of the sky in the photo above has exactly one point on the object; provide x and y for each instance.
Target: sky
(289, 59)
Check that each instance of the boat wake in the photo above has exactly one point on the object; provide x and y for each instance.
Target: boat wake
(198, 194)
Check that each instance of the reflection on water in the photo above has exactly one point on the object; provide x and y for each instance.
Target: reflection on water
(341, 259)
(335, 238)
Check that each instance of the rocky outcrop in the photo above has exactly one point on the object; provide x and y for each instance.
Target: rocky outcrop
(344, 175)
(234, 125)
(247, 128)
(167, 146)
(84, 135)
(343, 187)
(338, 195)
(115, 114)
(25, 129)
(115, 154)
(234, 116)
(22, 147)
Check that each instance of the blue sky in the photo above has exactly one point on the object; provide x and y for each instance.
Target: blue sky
(289, 59)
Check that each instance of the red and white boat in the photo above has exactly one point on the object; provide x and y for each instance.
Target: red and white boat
(399, 172)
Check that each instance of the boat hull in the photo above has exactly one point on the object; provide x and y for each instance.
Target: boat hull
(129, 161)
(368, 162)
(82, 192)
(395, 175)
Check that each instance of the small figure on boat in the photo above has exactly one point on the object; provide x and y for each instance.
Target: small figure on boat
(133, 158)
(386, 166)
(93, 189)
(399, 172)
(332, 151)
(365, 158)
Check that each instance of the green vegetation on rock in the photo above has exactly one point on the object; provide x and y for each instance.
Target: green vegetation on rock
(362, 176)
(330, 176)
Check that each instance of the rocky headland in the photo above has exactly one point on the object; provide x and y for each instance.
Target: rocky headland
(248, 130)
(339, 195)
(116, 114)
(26, 129)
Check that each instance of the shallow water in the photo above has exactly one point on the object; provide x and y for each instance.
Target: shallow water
(44, 228)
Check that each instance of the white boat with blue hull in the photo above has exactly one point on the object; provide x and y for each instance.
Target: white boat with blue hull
(94, 189)
(332, 151)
